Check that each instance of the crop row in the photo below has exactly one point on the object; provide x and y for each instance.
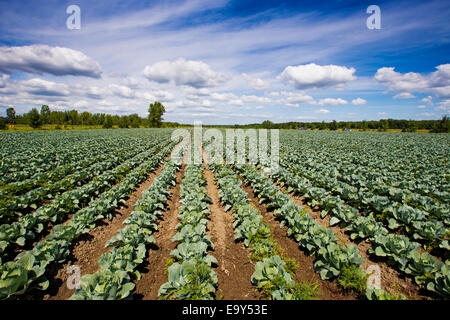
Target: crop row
(10, 208)
(119, 266)
(191, 276)
(399, 251)
(28, 269)
(28, 226)
(415, 222)
(38, 155)
(272, 275)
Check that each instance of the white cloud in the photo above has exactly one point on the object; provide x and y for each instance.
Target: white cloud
(195, 74)
(332, 102)
(322, 111)
(297, 97)
(381, 114)
(421, 107)
(42, 87)
(122, 91)
(404, 95)
(444, 106)
(437, 82)
(252, 98)
(428, 100)
(3, 80)
(316, 76)
(39, 59)
(427, 114)
(256, 83)
(359, 101)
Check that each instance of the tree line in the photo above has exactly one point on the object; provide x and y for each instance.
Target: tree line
(36, 119)
(442, 125)
(156, 110)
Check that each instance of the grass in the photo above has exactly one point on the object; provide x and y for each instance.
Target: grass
(49, 127)
(353, 278)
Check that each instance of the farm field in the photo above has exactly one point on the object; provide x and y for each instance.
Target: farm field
(348, 215)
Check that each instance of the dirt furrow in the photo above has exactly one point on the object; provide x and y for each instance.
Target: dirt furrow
(290, 248)
(154, 269)
(91, 246)
(234, 266)
(391, 280)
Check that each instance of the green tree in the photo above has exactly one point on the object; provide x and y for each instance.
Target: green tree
(45, 114)
(34, 119)
(384, 125)
(267, 124)
(134, 120)
(86, 118)
(11, 114)
(442, 126)
(2, 124)
(333, 125)
(364, 125)
(108, 122)
(123, 122)
(155, 113)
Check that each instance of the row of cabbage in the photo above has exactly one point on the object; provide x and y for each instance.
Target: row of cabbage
(399, 250)
(119, 267)
(372, 194)
(36, 155)
(430, 228)
(191, 275)
(416, 162)
(28, 226)
(27, 270)
(271, 275)
(13, 206)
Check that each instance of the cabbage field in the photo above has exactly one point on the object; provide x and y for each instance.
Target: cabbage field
(120, 214)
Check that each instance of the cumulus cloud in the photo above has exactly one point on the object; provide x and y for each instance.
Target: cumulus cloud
(428, 100)
(316, 76)
(297, 97)
(404, 95)
(40, 59)
(322, 111)
(359, 101)
(195, 74)
(332, 102)
(44, 88)
(256, 83)
(444, 106)
(253, 98)
(3, 80)
(437, 82)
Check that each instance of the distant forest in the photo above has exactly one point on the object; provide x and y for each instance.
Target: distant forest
(35, 119)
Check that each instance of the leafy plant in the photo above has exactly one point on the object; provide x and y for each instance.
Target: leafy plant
(189, 280)
(104, 285)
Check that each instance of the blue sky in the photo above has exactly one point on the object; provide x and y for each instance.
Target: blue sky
(226, 62)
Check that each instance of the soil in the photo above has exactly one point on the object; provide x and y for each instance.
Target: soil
(234, 266)
(153, 272)
(91, 246)
(391, 280)
(305, 272)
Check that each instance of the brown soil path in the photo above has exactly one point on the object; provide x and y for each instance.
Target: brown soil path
(391, 279)
(154, 269)
(290, 248)
(233, 258)
(91, 246)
